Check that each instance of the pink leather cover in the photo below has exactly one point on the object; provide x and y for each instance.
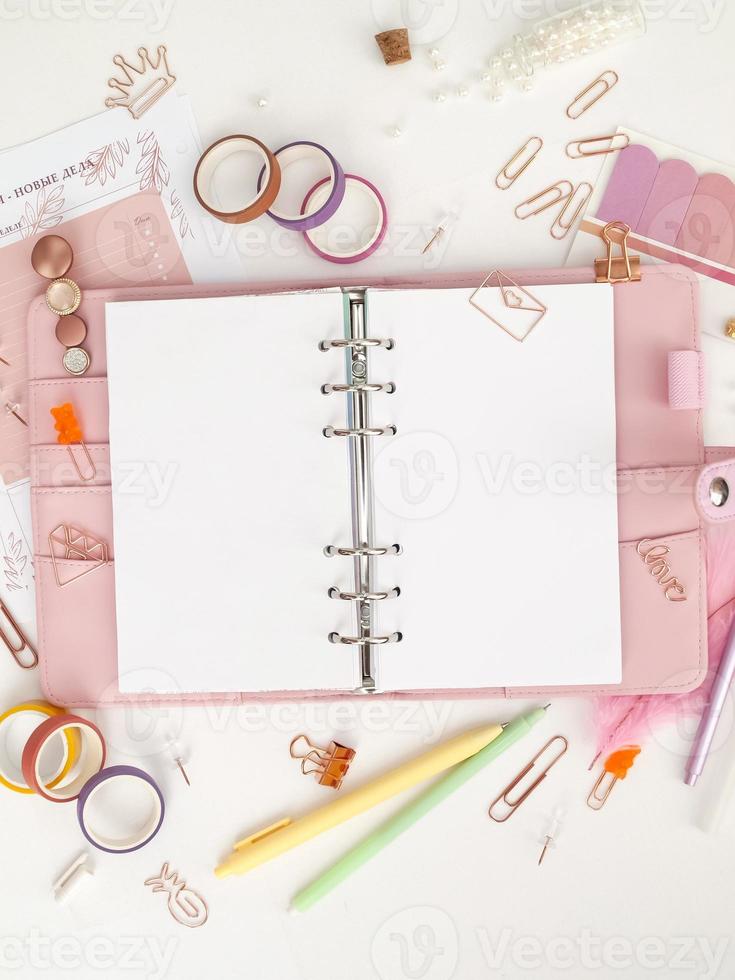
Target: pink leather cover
(660, 454)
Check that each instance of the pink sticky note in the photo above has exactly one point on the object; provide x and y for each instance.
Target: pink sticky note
(708, 228)
(667, 204)
(629, 186)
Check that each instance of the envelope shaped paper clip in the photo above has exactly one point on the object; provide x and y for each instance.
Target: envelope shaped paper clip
(508, 305)
(69, 543)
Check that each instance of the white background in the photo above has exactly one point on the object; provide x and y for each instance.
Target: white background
(639, 870)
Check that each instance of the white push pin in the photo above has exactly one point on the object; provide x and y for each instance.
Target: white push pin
(178, 756)
(552, 832)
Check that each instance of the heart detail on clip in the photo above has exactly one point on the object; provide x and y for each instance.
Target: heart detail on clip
(512, 299)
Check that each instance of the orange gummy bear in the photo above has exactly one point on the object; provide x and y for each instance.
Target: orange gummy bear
(620, 762)
(66, 424)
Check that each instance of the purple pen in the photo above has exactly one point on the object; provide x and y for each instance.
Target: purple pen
(712, 711)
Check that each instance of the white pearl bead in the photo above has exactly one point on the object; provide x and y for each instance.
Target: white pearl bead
(462, 91)
(486, 77)
(440, 65)
(439, 97)
(262, 103)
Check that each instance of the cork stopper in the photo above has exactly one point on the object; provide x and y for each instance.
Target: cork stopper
(394, 46)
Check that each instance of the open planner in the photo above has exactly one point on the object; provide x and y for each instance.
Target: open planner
(320, 492)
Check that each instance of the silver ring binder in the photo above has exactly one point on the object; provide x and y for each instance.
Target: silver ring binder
(359, 432)
(386, 342)
(388, 387)
(370, 640)
(381, 430)
(334, 593)
(331, 550)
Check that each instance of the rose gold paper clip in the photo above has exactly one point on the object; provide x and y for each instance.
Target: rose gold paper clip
(513, 804)
(579, 198)
(547, 198)
(523, 159)
(595, 90)
(19, 643)
(593, 145)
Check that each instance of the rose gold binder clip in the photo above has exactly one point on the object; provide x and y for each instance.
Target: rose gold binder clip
(16, 645)
(585, 99)
(520, 161)
(512, 803)
(578, 201)
(617, 268)
(328, 765)
(595, 146)
(547, 198)
(616, 767)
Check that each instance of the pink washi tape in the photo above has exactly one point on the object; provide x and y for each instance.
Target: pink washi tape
(318, 239)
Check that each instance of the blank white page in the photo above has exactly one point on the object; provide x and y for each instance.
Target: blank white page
(221, 581)
(500, 486)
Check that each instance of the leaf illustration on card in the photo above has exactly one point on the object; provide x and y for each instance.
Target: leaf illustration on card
(178, 214)
(14, 562)
(47, 213)
(151, 168)
(106, 162)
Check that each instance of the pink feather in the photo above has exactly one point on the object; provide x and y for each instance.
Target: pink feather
(630, 719)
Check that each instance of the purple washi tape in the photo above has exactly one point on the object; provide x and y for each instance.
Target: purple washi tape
(321, 212)
(141, 837)
(319, 244)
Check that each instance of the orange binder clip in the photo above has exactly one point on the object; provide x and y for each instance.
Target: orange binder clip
(329, 765)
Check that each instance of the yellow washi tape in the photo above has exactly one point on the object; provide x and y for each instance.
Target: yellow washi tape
(42, 710)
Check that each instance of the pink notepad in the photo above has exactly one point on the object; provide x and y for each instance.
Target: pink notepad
(659, 454)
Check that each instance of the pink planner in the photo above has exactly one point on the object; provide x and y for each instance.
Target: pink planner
(660, 458)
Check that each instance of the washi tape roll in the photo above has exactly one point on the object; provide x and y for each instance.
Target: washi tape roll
(138, 838)
(91, 757)
(321, 211)
(215, 155)
(33, 713)
(318, 239)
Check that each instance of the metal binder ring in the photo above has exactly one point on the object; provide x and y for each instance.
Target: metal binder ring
(383, 430)
(386, 342)
(388, 388)
(334, 593)
(331, 550)
(369, 640)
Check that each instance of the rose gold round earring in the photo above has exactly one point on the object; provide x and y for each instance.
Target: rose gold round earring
(51, 258)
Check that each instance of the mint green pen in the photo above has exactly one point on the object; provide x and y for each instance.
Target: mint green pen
(410, 814)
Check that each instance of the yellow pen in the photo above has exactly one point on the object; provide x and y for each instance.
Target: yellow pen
(282, 836)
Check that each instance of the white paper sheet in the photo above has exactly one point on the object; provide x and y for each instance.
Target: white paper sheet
(500, 487)
(221, 581)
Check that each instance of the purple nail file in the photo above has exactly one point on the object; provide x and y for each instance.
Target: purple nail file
(629, 185)
(667, 204)
(708, 229)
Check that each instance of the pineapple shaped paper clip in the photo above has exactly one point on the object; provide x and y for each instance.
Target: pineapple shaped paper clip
(188, 908)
